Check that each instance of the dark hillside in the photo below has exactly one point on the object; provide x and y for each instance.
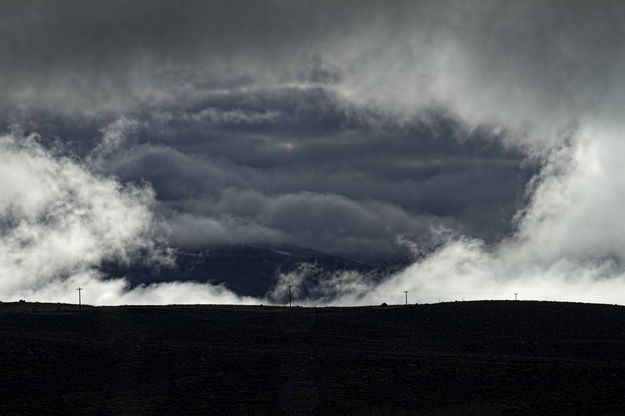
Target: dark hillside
(247, 270)
(464, 358)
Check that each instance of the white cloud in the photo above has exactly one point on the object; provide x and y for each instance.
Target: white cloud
(58, 222)
(570, 244)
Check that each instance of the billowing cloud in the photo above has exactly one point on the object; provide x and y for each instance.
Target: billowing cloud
(59, 222)
(569, 244)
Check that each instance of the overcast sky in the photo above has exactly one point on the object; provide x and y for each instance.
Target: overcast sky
(364, 127)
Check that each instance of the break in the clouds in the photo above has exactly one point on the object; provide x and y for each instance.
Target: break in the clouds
(487, 134)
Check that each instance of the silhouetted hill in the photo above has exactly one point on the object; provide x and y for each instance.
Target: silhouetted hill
(464, 358)
(247, 270)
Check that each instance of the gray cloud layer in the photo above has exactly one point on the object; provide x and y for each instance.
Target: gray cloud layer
(91, 57)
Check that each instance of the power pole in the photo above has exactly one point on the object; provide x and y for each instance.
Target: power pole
(79, 298)
(406, 293)
(515, 296)
(289, 296)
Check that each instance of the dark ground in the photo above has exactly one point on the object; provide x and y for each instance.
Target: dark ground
(464, 358)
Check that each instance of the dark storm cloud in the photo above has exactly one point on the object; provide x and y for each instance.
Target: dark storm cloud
(332, 118)
(318, 177)
(327, 222)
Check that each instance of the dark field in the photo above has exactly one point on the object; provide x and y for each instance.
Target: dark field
(465, 358)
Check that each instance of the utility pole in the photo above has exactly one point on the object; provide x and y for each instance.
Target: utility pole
(79, 298)
(289, 296)
(515, 296)
(406, 293)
